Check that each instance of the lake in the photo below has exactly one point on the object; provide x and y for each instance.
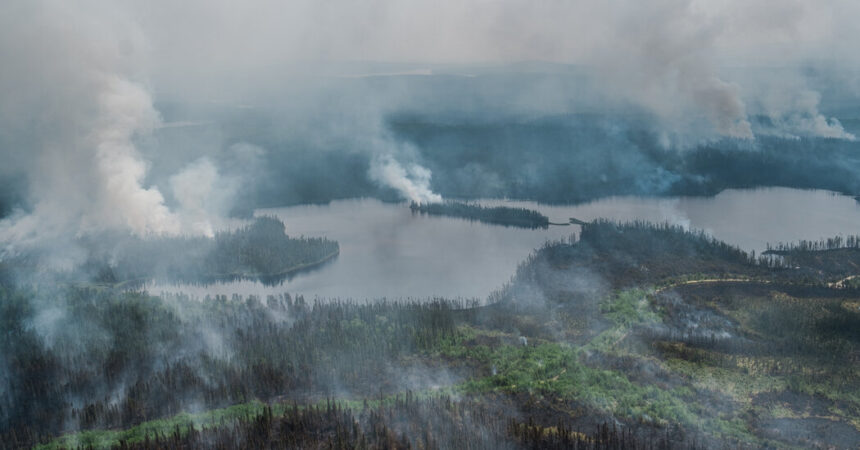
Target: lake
(386, 251)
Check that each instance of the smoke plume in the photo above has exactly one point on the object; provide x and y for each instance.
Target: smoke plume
(121, 200)
(84, 86)
(661, 58)
(73, 106)
(411, 182)
(798, 115)
(204, 196)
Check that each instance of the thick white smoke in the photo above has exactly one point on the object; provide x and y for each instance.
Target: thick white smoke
(75, 92)
(69, 88)
(204, 196)
(96, 181)
(412, 181)
(91, 178)
(121, 200)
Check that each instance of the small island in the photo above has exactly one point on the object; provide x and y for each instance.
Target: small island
(498, 215)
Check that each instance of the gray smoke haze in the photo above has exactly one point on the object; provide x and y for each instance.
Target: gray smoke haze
(81, 87)
(792, 107)
(69, 86)
(204, 196)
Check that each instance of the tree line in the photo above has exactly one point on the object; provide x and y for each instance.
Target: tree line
(499, 215)
(82, 358)
(261, 250)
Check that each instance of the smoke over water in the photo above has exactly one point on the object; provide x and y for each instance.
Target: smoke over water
(136, 135)
(83, 90)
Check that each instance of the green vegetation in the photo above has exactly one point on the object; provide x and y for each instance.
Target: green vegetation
(180, 423)
(635, 334)
(553, 370)
(421, 422)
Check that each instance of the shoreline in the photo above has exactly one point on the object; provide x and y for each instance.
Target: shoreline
(211, 279)
(286, 272)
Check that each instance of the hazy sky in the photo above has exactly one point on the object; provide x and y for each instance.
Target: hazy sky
(224, 33)
(80, 80)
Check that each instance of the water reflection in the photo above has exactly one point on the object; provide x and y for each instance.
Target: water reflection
(386, 251)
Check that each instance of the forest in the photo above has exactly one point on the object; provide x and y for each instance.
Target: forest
(634, 335)
(498, 215)
(205, 241)
(260, 250)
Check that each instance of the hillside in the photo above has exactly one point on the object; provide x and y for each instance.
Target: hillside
(633, 335)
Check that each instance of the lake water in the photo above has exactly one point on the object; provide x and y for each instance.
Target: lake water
(386, 251)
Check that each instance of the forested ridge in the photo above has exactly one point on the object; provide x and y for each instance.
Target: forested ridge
(623, 338)
(116, 359)
(205, 240)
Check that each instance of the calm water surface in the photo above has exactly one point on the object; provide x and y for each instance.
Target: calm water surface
(386, 251)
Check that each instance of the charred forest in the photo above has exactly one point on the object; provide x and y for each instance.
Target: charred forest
(429, 225)
(597, 342)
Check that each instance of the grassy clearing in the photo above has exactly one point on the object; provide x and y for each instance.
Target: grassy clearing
(183, 422)
(738, 385)
(624, 309)
(180, 423)
(554, 371)
(629, 307)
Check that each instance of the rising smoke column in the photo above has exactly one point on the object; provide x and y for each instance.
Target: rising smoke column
(121, 200)
(73, 108)
(75, 92)
(92, 180)
(204, 196)
(412, 182)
